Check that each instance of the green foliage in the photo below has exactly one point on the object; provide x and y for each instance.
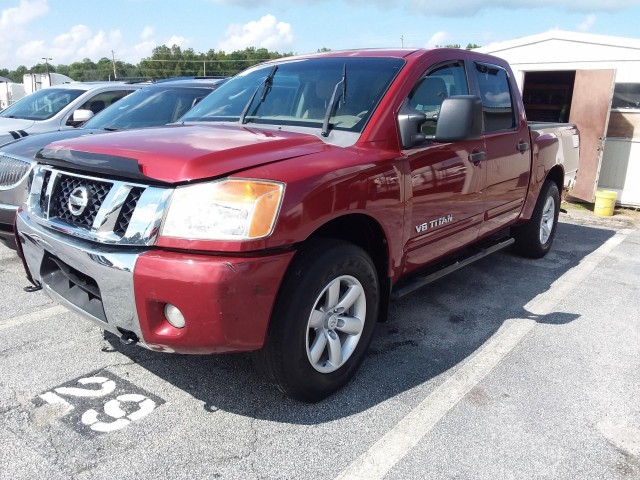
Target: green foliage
(457, 45)
(451, 45)
(168, 62)
(164, 62)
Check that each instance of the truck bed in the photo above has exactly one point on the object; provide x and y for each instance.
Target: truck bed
(561, 140)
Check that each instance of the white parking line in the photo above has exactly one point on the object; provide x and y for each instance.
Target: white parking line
(383, 455)
(33, 317)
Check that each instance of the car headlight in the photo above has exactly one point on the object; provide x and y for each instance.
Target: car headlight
(223, 210)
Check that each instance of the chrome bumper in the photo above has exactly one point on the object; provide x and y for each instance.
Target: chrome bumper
(7, 216)
(92, 280)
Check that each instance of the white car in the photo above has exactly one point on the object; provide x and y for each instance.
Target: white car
(59, 108)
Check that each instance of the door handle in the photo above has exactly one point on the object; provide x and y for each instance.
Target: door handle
(475, 157)
(523, 146)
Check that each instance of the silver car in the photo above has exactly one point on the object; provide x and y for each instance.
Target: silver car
(156, 104)
(61, 107)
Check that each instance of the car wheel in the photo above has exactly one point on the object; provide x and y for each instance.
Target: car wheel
(322, 322)
(534, 238)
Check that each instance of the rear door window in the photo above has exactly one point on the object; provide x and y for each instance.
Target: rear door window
(497, 102)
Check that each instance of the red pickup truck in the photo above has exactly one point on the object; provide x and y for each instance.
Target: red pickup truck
(288, 208)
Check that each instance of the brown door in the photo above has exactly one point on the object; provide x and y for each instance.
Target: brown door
(590, 107)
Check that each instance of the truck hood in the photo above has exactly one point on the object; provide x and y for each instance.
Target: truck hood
(27, 147)
(181, 153)
(13, 128)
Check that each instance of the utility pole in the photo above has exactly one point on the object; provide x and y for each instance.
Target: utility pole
(401, 41)
(46, 64)
(113, 59)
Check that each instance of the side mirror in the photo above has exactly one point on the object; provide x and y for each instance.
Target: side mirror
(461, 118)
(410, 123)
(80, 116)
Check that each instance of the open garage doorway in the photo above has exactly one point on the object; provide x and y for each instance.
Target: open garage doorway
(547, 95)
(582, 97)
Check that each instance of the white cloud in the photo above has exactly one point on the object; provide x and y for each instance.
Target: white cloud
(147, 33)
(438, 38)
(78, 43)
(143, 48)
(13, 19)
(14, 22)
(176, 40)
(267, 33)
(587, 24)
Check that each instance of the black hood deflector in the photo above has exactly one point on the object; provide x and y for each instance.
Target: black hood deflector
(97, 163)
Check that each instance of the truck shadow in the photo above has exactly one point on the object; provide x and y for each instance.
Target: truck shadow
(428, 333)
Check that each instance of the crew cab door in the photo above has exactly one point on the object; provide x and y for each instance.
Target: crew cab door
(507, 146)
(444, 199)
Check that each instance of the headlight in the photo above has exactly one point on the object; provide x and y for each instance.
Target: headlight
(223, 210)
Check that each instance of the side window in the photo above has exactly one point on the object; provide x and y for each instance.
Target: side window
(429, 93)
(99, 102)
(104, 100)
(496, 98)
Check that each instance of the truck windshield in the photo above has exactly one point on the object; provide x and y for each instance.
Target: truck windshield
(148, 107)
(42, 104)
(300, 92)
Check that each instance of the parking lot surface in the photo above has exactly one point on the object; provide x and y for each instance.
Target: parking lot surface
(509, 368)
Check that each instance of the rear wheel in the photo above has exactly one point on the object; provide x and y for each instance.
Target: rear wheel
(534, 238)
(322, 322)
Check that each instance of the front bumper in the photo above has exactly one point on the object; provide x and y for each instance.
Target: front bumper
(226, 301)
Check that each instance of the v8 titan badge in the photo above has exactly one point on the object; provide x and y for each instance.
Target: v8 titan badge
(100, 402)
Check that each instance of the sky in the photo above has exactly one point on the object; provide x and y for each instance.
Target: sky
(66, 31)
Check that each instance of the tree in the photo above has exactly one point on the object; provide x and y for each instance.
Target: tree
(164, 62)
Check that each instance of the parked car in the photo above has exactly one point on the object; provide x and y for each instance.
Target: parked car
(292, 204)
(58, 108)
(157, 104)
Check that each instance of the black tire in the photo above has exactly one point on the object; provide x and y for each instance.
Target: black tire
(534, 238)
(317, 273)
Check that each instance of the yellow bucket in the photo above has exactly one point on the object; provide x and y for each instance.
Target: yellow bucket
(605, 202)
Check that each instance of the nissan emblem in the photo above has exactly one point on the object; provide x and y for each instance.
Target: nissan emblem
(78, 200)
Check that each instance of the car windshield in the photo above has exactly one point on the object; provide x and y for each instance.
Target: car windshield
(42, 104)
(148, 107)
(299, 93)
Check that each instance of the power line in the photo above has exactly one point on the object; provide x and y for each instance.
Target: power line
(209, 61)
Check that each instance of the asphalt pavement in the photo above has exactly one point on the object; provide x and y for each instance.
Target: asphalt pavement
(509, 368)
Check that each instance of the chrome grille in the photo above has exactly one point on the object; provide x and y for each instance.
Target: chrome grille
(12, 171)
(45, 184)
(126, 212)
(102, 210)
(97, 191)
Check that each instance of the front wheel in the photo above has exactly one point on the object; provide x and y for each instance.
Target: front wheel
(322, 322)
(534, 238)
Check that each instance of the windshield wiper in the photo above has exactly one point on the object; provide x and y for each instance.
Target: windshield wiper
(335, 99)
(266, 88)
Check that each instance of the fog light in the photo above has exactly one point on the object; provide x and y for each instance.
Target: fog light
(174, 316)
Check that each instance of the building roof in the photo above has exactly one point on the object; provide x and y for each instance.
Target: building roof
(570, 50)
(565, 36)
